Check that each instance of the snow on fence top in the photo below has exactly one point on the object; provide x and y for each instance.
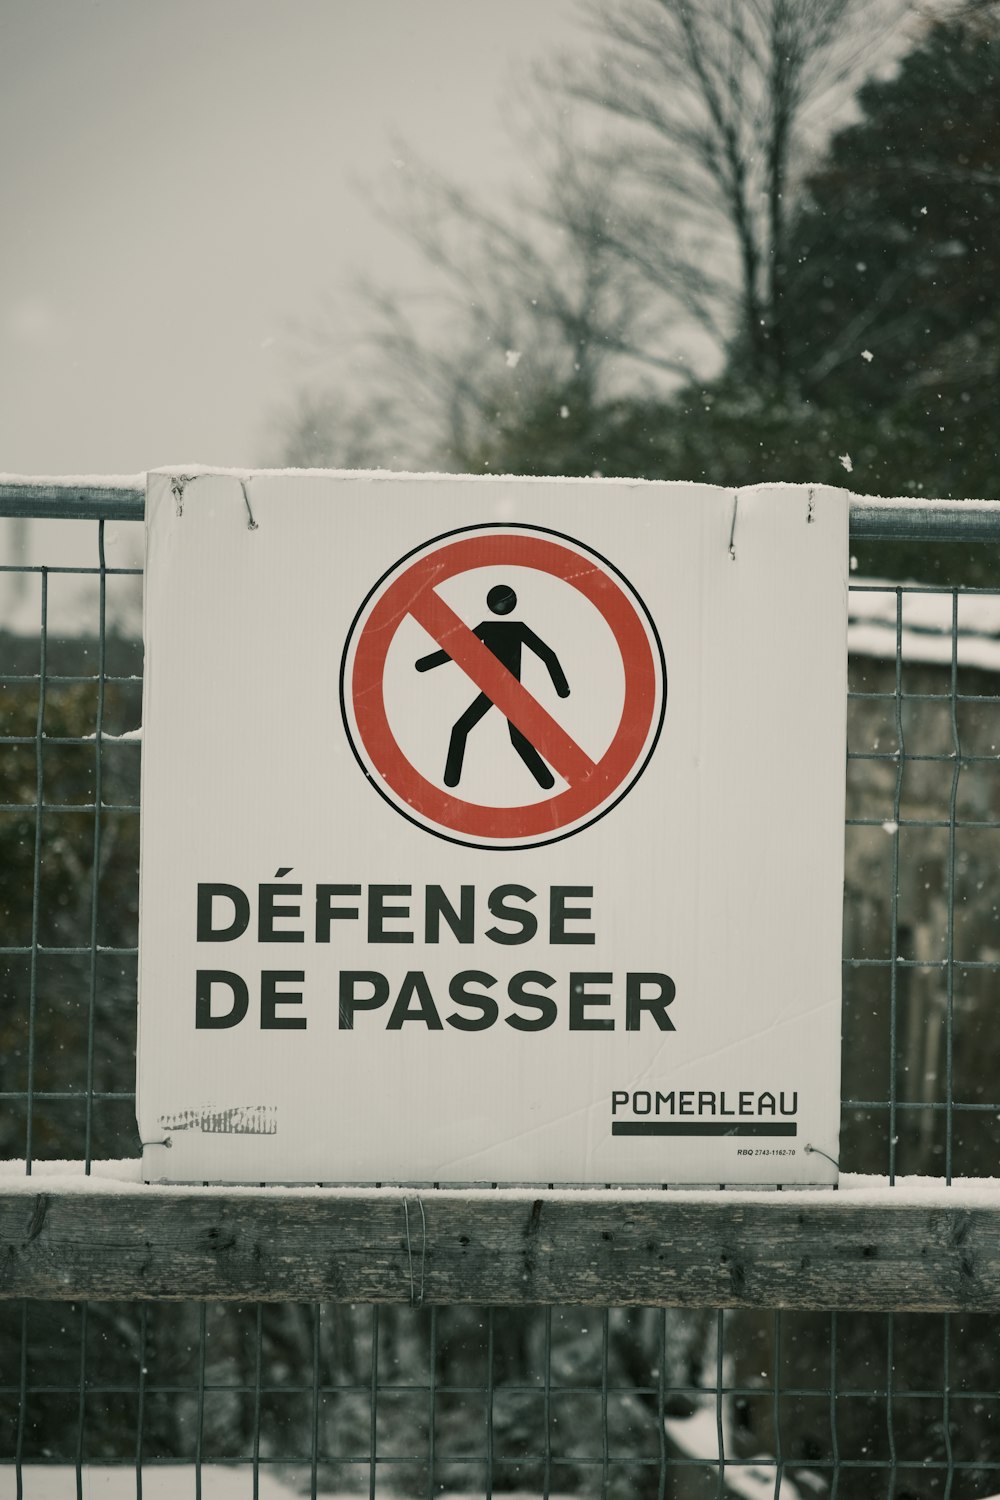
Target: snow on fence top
(926, 617)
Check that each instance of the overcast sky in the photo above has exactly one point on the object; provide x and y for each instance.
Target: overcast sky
(179, 192)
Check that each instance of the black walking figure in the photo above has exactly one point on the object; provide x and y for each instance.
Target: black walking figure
(504, 638)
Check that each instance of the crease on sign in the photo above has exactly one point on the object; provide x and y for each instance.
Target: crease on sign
(786, 1016)
(523, 1134)
(589, 570)
(423, 586)
(239, 1119)
(778, 1024)
(653, 1065)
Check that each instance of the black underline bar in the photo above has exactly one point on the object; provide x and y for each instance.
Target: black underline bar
(704, 1127)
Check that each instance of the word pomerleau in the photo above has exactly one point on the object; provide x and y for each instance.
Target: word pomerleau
(388, 914)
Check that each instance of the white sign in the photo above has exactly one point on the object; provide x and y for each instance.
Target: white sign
(492, 831)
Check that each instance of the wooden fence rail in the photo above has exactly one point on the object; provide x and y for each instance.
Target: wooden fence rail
(937, 1250)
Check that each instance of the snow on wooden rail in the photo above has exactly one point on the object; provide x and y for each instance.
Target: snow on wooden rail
(919, 1246)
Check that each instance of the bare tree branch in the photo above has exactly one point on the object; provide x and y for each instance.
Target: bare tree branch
(660, 245)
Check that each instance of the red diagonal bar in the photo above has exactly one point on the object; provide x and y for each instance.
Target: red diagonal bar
(503, 689)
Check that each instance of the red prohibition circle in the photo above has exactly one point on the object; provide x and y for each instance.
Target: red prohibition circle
(592, 784)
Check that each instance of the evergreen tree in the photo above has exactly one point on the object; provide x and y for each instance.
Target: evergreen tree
(896, 301)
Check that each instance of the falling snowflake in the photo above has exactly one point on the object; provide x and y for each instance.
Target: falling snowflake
(847, 461)
(512, 357)
(868, 355)
(564, 411)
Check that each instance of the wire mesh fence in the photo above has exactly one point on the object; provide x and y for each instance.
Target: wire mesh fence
(70, 701)
(331, 1400)
(922, 940)
(277, 1399)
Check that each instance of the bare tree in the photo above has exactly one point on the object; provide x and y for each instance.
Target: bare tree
(529, 304)
(659, 244)
(719, 100)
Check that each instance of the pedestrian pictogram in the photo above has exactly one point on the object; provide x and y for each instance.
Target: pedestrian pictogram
(505, 638)
(565, 653)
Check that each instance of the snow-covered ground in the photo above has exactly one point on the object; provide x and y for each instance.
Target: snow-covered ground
(698, 1436)
(58, 1482)
(925, 623)
(217, 1483)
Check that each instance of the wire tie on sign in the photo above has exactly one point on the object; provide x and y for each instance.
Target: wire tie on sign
(251, 523)
(416, 1298)
(732, 529)
(178, 484)
(815, 1151)
(811, 512)
(167, 1141)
